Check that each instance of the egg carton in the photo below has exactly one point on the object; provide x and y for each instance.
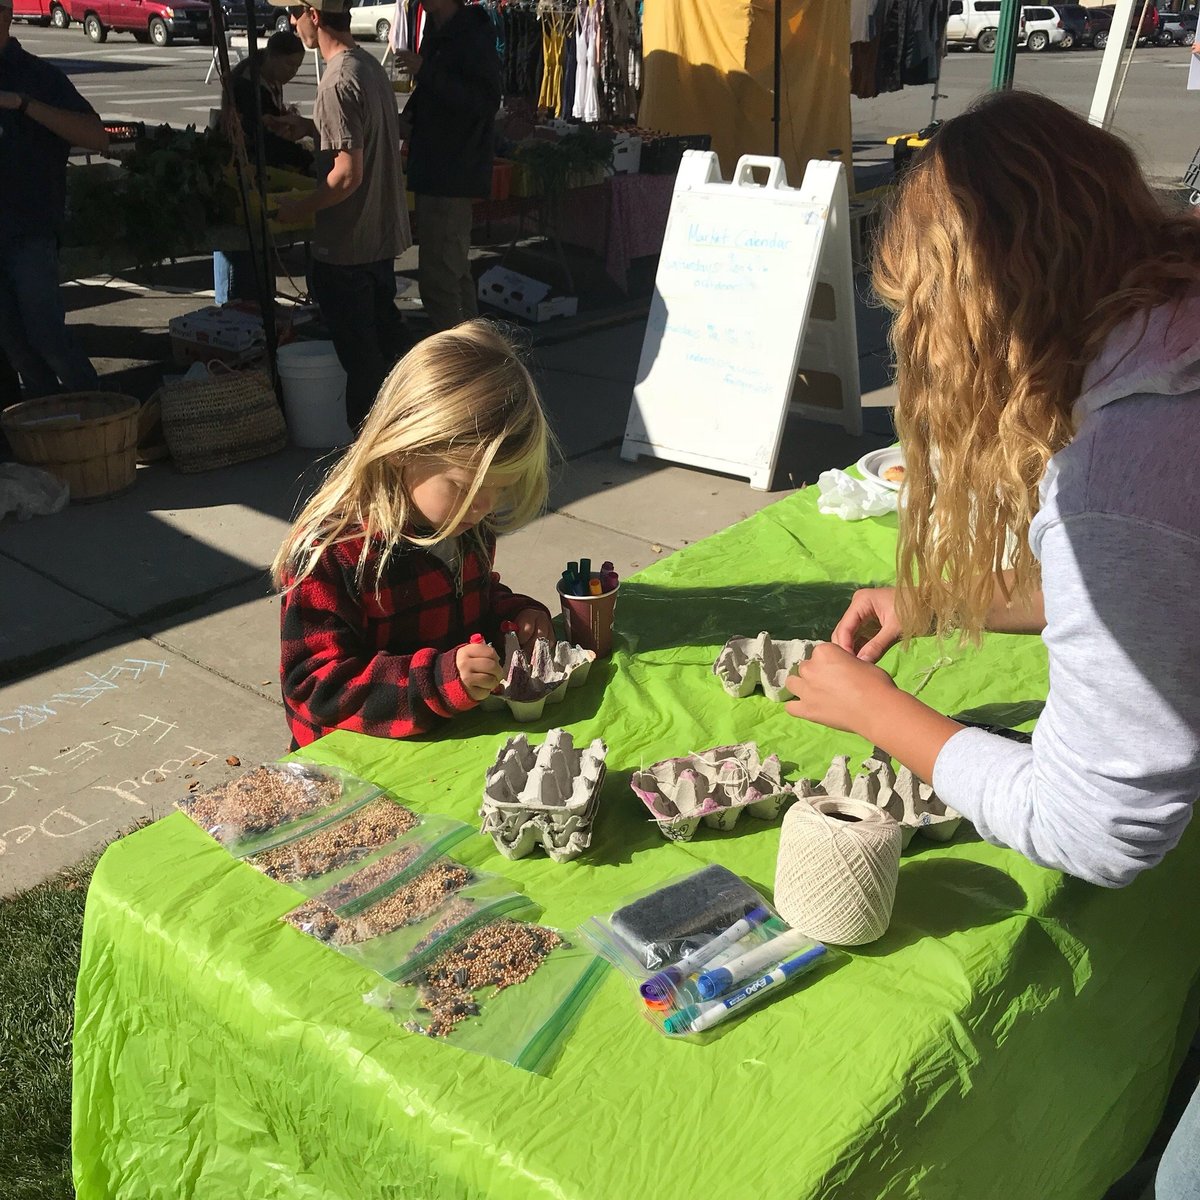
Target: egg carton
(547, 795)
(532, 683)
(714, 787)
(746, 663)
(914, 804)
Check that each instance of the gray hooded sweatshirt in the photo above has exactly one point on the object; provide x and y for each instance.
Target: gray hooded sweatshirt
(1107, 787)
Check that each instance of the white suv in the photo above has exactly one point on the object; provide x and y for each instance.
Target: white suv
(973, 23)
(1041, 26)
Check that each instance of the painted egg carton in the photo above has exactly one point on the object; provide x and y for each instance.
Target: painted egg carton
(900, 793)
(714, 787)
(545, 795)
(746, 663)
(532, 683)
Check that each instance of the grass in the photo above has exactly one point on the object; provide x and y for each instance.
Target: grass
(40, 933)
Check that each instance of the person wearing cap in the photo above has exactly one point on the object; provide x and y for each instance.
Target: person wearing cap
(452, 116)
(41, 117)
(359, 205)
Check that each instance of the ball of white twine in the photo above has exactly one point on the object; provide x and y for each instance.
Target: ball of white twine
(835, 878)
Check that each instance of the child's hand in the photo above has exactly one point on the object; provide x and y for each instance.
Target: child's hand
(479, 669)
(533, 623)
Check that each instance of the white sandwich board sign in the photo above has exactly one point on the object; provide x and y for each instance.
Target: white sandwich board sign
(732, 326)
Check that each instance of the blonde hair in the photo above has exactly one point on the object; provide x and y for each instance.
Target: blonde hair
(1020, 239)
(461, 398)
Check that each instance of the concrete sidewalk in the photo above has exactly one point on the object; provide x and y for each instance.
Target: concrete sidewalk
(139, 638)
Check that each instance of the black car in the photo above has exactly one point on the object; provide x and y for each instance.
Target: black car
(1101, 19)
(1074, 19)
(266, 16)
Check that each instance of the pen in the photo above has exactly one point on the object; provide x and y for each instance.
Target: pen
(698, 1018)
(714, 981)
(662, 984)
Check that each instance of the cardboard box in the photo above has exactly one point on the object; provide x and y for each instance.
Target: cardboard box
(229, 334)
(524, 297)
(627, 154)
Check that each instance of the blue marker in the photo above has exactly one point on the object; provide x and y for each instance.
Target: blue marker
(585, 574)
(717, 979)
(699, 1017)
(660, 986)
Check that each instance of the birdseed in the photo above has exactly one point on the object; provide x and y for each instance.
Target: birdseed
(336, 845)
(499, 955)
(410, 903)
(369, 878)
(260, 800)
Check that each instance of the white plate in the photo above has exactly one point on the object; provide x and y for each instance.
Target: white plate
(874, 464)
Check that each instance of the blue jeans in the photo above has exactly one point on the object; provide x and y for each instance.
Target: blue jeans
(33, 324)
(233, 276)
(1178, 1175)
(358, 305)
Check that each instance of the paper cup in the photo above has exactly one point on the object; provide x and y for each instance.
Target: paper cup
(588, 620)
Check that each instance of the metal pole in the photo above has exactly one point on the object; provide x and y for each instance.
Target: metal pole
(1007, 31)
(941, 58)
(262, 266)
(778, 70)
(1104, 99)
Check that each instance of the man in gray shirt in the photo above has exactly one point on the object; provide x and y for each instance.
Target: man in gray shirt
(360, 207)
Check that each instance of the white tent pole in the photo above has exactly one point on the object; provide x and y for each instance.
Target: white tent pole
(1104, 99)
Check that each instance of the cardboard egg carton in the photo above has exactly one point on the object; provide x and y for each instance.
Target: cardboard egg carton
(714, 787)
(746, 663)
(545, 795)
(914, 804)
(532, 683)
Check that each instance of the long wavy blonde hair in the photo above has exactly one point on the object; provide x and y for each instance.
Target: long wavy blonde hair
(461, 398)
(1019, 240)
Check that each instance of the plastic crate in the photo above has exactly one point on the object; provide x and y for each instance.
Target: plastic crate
(662, 155)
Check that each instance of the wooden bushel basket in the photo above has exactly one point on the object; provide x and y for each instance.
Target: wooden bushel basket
(86, 439)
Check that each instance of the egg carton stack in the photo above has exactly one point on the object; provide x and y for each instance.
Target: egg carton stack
(532, 683)
(747, 663)
(714, 787)
(546, 795)
(914, 804)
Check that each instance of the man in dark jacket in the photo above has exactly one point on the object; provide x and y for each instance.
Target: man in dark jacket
(452, 113)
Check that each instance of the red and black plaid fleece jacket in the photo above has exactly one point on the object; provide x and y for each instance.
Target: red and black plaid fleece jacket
(382, 661)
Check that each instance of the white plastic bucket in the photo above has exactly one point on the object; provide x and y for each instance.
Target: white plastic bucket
(314, 395)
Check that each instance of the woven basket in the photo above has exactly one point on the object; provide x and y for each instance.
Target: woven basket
(86, 439)
(230, 417)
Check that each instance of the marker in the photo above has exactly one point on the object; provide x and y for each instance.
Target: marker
(697, 1018)
(585, 568)
(663, 984)
(566, 584)
(714, 981)
(477, 639)
(572, 568)
(594, 586)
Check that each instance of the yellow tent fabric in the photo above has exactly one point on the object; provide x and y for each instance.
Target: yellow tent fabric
(709, 68)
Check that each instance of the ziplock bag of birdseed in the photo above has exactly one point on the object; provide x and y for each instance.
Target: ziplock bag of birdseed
(275, 802)
(366, 877)
(407, 900)
(510, 990)
(660, 925)
(401, 953)
(324, 853)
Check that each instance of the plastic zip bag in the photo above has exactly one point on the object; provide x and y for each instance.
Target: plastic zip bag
(405, 952)
(524, 1023)
(275, 802)
(728, 949)
(325, 851)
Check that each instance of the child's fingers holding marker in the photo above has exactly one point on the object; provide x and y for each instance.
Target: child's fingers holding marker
(479, 669)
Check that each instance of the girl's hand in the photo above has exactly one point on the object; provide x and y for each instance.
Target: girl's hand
(479, 669)
(870, 625)
(533, 623)
(836, 689)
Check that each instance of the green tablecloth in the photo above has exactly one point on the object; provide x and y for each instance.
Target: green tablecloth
(1012, 1036)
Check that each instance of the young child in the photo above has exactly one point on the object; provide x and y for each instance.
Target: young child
(387, 572)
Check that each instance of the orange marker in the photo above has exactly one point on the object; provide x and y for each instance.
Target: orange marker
(594, 587)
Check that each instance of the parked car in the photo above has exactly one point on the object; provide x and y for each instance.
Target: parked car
(41, 12)
(1102, 18)
(1041, 27)
(266, 16)
(375, 20)
(1176, 29)
(973, 23)
(1075, 21)
(154, 21)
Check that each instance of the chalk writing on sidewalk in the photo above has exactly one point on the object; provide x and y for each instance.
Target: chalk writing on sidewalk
(129, 670)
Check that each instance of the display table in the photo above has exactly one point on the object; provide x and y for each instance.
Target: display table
(1012, 1036)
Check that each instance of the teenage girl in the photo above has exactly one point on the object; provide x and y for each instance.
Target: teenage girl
(1047, 337)
(387, 572)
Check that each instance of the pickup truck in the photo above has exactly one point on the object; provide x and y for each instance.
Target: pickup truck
(157, 21)
(42, 12)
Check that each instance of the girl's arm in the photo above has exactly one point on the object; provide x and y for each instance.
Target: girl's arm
(1003, 617)
(332, 680)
